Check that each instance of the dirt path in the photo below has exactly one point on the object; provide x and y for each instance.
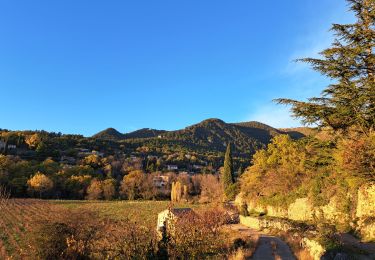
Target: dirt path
(353, 243)
(269, 247)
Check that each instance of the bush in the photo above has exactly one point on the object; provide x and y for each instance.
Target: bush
(49, 240)
(243, 210)
(197, 236)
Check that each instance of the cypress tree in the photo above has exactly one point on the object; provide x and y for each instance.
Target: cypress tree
(227, 178)
(240, 171)
(349, 102)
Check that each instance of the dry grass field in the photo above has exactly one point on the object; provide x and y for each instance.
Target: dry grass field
(17, 218)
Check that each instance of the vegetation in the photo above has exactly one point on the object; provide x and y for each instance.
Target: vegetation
(228, 175)
(189, 165)
(348, 103)
(335, 166)
(197, 235)
(40, 229)
(179, 192)
(4, 196)
(208, 135)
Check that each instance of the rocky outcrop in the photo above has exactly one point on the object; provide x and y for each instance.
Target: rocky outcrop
(366, 201)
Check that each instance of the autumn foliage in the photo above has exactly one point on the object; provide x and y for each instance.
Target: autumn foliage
(40, 183)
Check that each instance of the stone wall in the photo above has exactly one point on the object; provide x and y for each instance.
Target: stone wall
(302, 210)
(260, 223)
(366, 201)
(366, 211)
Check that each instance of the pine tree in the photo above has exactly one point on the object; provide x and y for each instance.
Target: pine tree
(349, 102)
(227, 177)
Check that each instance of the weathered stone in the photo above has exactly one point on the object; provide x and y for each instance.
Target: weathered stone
(251, 222)
(276, 212)
(301, 210)
(367, 228)
(366, 201)
(315, 249)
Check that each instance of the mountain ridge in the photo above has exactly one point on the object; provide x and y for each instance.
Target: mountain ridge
(213, 134)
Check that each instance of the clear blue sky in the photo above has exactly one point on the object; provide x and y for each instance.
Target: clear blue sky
(80, 66)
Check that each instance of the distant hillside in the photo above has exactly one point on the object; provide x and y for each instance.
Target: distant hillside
(144, 133)
(260, 131)
(109, 134)
(215, 134)
(299, 132)
(211, 135)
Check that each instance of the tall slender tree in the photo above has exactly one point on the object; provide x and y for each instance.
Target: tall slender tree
(227, 176)
(349, 102)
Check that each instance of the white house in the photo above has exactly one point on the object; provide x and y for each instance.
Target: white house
(152, 157)
(10, 146)
(161, 181)
(197, 167)
(172, 167)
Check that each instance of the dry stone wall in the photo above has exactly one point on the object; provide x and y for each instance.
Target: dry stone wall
(302, 210)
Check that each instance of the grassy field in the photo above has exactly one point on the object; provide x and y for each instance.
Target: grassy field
(17, 217)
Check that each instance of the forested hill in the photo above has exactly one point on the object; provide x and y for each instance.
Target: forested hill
(210, 134)
(109, 134)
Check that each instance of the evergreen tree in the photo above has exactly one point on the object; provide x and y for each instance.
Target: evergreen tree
(227, 178)
(240, 171)
(349, 102)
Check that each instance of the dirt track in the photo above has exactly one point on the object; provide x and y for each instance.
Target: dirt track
(269, 247)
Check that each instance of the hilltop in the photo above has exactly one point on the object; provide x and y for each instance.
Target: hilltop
(109, 134)
(211, 134)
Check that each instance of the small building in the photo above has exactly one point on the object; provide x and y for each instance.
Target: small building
(83, 150)
(67, 160)
(9, 146)
(183, 173)
(134, 158)
(172, 167)
(167, 217)
(12, 146)
(197, 167)
(160, 181)
(97, 153)
(152, 157)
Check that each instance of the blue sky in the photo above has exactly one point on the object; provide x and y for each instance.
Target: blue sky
(80, 66)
